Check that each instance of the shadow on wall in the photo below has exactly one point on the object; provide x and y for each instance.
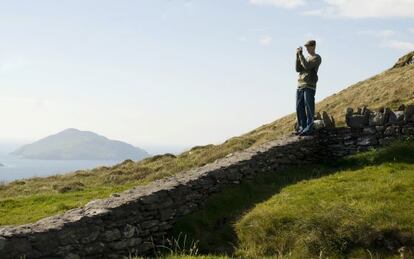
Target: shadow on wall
(213, 226)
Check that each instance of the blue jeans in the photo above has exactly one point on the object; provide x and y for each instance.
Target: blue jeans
(305, 108)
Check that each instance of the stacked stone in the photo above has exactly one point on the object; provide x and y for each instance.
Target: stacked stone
(384, 117)
(137, 220)
(321, 121)
(369, 129)
(324, 121)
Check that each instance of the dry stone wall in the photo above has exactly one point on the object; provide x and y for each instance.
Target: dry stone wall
(133, 222)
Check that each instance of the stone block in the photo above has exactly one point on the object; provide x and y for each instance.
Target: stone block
(327, 120)
(162, 203)
(318, 124)
(149, 224)
(349, 142)
(129, 231)
(396, 118)
(357, 121)
(408, 130)
(369, 131)
(392, 131)
(379, 118)
(123, 244)
(317, 116)
(166, 214)
(367, 141)
(111, 235)
(153, 197)
(94, 248)
(186, 208)
(15, 246)
(68, 237)
(409, 113)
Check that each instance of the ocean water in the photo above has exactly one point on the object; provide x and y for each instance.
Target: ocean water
(16, 168)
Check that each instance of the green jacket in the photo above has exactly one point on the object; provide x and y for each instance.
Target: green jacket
(308, 70)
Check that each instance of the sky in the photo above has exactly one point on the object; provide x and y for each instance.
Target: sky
(170, 74)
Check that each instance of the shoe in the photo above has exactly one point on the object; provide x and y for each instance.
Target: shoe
(306, 133)
(296, 133)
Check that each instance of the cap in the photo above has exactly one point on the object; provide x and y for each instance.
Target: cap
(310, 43)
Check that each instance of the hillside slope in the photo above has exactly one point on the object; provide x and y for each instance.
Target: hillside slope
(61, 192)
(357, 207)
(390, 88)
(363, 210)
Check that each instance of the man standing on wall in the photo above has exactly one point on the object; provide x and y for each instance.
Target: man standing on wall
(305, 94)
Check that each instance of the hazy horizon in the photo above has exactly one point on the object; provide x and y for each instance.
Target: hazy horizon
(166, 75)
(8, 146)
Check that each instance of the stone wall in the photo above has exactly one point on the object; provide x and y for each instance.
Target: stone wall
(134, 221)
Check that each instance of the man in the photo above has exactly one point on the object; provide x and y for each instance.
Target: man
(305, 93)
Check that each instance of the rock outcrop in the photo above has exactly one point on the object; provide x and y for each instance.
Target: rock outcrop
(405, 60)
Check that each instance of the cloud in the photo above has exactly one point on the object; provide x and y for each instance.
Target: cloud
(365, 9)
(379, 33)
(399, 45)
(265, 40)
(315, 12)
(281, 3)
(348, 8)
(388, 39)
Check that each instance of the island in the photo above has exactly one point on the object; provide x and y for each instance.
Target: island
(74, 144)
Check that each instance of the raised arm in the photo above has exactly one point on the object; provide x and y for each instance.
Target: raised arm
(312, 63)
(299, 67)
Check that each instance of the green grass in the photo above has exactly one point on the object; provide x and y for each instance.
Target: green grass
(360, 206)
(34, 207)
(196, 257)
(352, 213)
(213, 226)
(390, 88)
(179, 256)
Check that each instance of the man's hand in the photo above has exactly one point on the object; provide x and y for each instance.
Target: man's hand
(299, 50)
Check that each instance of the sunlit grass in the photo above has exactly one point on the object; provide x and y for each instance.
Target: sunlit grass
(352, 213)
(250, 220)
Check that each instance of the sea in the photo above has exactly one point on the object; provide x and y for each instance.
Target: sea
(17, 168)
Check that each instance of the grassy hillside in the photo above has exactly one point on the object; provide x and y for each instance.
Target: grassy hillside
(213, 226)
(54, 194)
(360, 207)
(350, 214)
